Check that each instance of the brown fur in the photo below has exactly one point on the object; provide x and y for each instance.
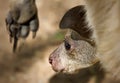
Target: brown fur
(21, 19)
(104, 16)
(103, 19)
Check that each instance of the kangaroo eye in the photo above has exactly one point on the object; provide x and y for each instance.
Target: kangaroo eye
(67, 45)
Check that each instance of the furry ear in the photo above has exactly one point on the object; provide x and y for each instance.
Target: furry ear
(75, 19)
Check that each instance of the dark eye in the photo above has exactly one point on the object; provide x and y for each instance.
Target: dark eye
(67, 45)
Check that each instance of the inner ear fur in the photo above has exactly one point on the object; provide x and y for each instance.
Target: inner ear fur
(75, 19)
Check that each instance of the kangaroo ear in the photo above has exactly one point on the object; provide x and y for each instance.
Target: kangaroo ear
(75, 19)
(72, 16)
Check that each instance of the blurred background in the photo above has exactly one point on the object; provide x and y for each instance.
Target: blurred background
(30, 64)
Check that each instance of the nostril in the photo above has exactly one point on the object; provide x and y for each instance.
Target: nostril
(50, 60)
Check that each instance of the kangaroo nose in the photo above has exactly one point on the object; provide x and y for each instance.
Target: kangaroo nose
(50, 60)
